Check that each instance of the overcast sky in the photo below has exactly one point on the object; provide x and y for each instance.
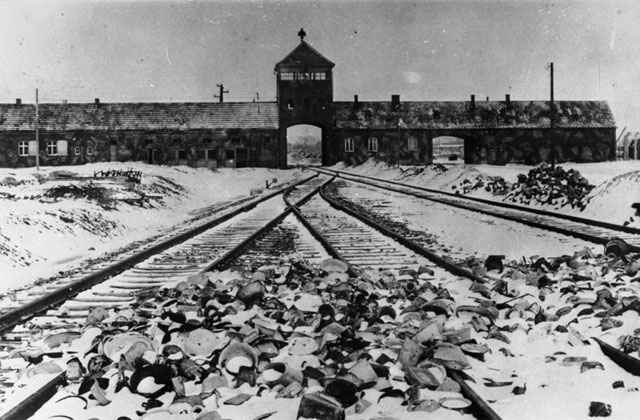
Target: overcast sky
(423, 50)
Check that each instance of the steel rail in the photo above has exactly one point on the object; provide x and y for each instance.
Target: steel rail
(13, 317)
(317, 235)
(565, 231)
(625, 361)
(31, 404)
(481, 409)
(419, 249)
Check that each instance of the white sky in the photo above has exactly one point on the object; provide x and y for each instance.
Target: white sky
(422, 50)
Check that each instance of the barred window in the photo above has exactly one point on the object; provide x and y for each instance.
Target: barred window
(89, 150)
(52, 148)
(23, 148)
(348, 144)
(373, 144)
(76, 150)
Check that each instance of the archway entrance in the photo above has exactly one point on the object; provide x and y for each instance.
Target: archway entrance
(448, 150)
(304, 145)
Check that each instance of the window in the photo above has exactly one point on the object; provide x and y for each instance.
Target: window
(320, 76)
(231, 154)
(177, 141)
(182, 154)
(373, 144)
(148, 141)
(89, 150)
(207, 140)
(348, 144)
(289, 105)
(267, 140)
(412, 144)
(23, 148)
(57, 148)
(287, 76)
(76, 150)
(212, 154)
(52, 148)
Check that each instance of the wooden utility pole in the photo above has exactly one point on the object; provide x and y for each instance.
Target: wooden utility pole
(222, 92)
(37, 135)
(552, 122)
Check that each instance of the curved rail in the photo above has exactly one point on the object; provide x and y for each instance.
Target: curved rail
(31, 404)
(13, 317)
(481, 409)
(599, 223)
(464, 202)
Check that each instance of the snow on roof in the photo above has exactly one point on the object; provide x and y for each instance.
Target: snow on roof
(141, 116)
(460, 115)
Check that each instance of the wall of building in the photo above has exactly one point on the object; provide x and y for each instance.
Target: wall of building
(496, 147)
(388, 149)
(533, 146)
(215, 148)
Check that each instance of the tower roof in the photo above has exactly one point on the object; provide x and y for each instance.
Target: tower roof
(304, 56)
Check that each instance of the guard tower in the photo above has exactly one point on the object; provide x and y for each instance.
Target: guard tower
(305, 93)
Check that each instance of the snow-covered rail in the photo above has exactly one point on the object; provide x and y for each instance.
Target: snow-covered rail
(595, 231)
(253, 238)
(65, 305)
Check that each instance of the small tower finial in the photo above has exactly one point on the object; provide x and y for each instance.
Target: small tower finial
(302, 34)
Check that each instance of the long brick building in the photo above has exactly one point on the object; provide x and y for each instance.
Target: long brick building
(214, 134)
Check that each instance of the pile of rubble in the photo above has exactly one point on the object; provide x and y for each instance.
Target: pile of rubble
(548, 186)
(300, 342)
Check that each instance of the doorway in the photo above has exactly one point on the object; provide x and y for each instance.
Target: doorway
(448, 150)
(304, 145)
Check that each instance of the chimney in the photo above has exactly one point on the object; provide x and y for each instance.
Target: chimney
(507, 99)
(355, 99)
(18, 101)
(97, 102)
(487, 99)
(395, 101)
(473, 102)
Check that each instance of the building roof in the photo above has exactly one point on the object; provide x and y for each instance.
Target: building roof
(459, 115)
(141, 116)
(304, 56)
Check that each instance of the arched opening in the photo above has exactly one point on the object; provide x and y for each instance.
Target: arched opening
(304, 145)
(448, 150)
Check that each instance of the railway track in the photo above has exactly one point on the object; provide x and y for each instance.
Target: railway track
(315, 226)
(587, 229)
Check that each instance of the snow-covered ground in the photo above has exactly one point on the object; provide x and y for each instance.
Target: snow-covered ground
(40, 235)
(526, 352)
(617, 186)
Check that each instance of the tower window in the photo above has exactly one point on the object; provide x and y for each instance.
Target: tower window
(373, 144)
(348, 144)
